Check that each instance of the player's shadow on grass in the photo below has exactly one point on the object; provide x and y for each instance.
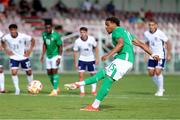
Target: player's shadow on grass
(9, 91)
(106, 106)
(102, 108)
(110, 108)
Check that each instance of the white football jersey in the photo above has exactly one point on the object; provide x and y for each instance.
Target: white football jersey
(85, 48)
(17, 45)
(156, 42)
(1, 34)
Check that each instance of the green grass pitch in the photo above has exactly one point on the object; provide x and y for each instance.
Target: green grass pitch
(131, 98)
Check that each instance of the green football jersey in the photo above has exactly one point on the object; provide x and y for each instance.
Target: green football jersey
(52, 42)
(127, 52)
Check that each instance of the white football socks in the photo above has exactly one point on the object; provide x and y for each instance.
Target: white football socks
(16, 82)
(93, 87)
(81, 83)
(160, 82)
(2, 81)
(154, 78)
(29, 78)
(82, 89)
(96, 103)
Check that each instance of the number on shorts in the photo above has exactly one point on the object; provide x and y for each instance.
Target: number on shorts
(112, 67)
(28, 64)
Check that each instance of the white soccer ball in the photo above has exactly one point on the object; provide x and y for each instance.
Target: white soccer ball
(35, 87)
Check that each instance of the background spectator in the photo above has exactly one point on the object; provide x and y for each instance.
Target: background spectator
(149, 15)
(110, 8)
(24, 7)
(37, 6)
(61, 7)
(2, 7)
(87, 6)
(96, 7)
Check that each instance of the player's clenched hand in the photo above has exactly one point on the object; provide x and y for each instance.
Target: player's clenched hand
(104, 57)
(42, 59)
(58, 61)
(27, 53)
(156, 57)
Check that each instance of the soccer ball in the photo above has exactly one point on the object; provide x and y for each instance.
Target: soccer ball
(35, 87)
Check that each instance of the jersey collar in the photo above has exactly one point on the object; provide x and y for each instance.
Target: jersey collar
(153, 32)
(16, 36)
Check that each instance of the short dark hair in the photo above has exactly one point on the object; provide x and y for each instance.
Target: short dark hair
(114, 20)
(13, 26)
(84, 29)
(153, 20)
(48, 23)
(58, 27)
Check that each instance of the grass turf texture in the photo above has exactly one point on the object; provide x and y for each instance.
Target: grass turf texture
(131, 98)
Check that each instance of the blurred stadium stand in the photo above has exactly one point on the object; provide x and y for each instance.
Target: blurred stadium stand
(71, 14)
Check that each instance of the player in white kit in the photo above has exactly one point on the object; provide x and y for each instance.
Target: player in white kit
(2, 89)
(161, 46)
(84, 45)
(16, 47)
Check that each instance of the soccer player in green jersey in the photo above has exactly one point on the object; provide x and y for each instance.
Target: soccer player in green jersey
(52, 46)
(123, 61)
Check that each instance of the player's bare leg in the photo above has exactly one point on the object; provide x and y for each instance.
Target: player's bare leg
(29, 75)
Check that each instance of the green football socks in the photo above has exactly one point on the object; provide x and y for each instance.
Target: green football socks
(51, 79)
(55, 81)
(94, 79)
(105, 87)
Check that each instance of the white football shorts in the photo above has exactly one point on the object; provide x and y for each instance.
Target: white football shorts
(51, 63)
(118, 68)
